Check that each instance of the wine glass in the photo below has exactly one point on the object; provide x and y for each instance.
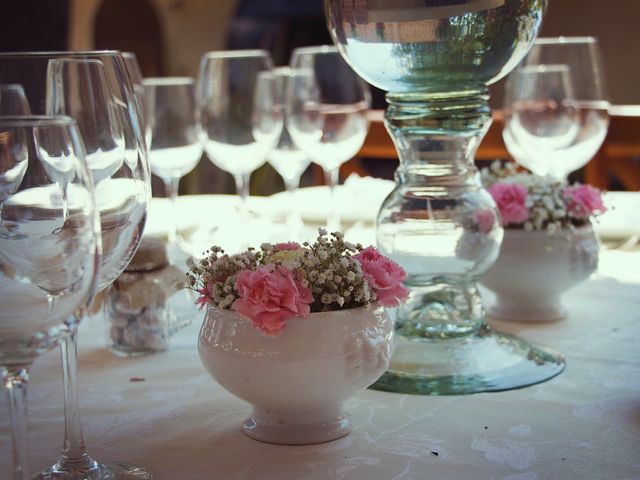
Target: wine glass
(287, 159)
(48, 250)
(79, 87)
(327, 106)
(13, 100)
(72, 82)
(137, 83)
(175, 147)
(556, 107)
(239, 129)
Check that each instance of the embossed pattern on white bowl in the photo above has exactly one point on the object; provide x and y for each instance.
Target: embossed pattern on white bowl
(297, 380)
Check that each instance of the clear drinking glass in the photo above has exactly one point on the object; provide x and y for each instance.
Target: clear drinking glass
(327, 106)
(102, 101)
(556, 106)
(287, 159)
(175, 144)
(239, 132)
(48, 250)
(137, 82)
(13, 100)
(79, 87)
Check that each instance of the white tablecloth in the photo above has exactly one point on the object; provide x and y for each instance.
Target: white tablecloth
(583, 424)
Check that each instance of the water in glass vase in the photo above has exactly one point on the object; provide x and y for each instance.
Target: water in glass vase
(433, 45)
(436, 58)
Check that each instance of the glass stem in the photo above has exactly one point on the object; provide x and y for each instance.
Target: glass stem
(74, 456)
(331, 178)
(243, 183)
(15, 383)
(171, 188)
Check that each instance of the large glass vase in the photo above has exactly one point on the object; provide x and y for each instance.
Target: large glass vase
(435, 59)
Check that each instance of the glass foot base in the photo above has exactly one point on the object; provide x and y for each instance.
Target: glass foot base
(484, 362)
(102, 471)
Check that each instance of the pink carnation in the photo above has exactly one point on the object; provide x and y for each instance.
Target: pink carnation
(278, 247)
(384, 277)
(583, 201)
(510, 198)
(269, 296)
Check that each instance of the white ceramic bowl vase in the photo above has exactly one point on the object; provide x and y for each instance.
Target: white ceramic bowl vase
(298, 380)
(534, 269)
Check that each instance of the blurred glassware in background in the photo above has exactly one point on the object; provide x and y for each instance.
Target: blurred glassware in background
(288, 160)
(240, 129)
(48, 251)
(13, 100)
(327, 105)
(135, 74)
(175, 146)
(556, 106)
(94, 88)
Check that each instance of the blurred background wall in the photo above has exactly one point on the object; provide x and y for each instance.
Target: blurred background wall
(188, 28)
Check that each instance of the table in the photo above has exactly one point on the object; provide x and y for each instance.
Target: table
(583, 424)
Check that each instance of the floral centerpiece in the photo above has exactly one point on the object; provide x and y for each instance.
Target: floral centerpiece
(322, 331)
(549, 245)
(532, 202)
(285, 280)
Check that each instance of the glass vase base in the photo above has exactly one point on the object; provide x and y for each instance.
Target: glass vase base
(487, 361)
(102, 471)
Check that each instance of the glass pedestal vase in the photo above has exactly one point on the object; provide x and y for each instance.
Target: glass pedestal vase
(439, 223)
(443, 228)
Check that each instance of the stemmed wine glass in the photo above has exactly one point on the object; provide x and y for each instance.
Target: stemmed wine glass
(101, 100)
(80, 88)
(175, 144)
(48, 250)
(327, 106)
(556, 106)
(137, 83)
(239, 129)
(287, 159)
(13, 100)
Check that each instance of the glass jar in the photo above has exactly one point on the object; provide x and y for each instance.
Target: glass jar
(138, 309)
